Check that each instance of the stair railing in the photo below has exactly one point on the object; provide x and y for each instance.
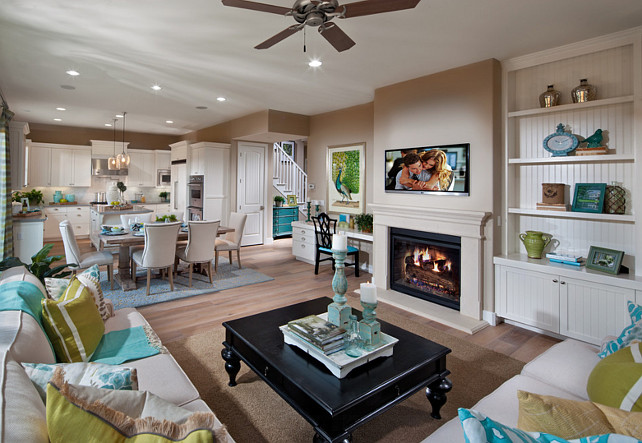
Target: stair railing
(289, 174)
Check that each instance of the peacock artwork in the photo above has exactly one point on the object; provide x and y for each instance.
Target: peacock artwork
(346, 179)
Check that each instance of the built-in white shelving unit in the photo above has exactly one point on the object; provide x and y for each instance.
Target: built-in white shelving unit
(612, 64)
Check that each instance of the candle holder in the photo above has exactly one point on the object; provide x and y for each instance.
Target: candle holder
(309, 211)
(317, 210)
(369, 327)
(338, 311)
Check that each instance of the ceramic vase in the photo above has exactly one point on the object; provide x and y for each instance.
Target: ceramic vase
(535, 242)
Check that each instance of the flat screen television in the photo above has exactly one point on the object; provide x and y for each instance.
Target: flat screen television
(437, 170)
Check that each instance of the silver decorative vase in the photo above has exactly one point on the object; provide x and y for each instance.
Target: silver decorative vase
(584, 92)
(549, 98)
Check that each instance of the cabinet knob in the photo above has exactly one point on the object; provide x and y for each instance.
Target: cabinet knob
(562, 283)
(554, 280)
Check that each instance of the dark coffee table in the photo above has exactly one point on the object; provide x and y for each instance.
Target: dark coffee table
(335, 407)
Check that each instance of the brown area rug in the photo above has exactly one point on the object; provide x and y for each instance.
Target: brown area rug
(254, 413)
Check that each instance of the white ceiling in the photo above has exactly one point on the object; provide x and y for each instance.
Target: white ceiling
(198, 50)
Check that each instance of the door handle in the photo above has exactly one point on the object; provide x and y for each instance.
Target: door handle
(262, 208)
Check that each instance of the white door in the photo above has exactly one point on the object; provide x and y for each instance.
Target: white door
(251, 190)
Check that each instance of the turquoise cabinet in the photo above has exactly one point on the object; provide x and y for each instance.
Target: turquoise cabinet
(282, 219)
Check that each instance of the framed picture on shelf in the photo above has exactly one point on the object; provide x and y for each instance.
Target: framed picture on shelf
(346, 178)
(292, 200)
(605, 260)
(589, 197)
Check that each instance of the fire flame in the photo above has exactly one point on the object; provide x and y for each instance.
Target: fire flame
(422, 255)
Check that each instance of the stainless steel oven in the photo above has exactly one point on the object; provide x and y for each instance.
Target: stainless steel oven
(195, 191)
(163, 177)
(194, 214)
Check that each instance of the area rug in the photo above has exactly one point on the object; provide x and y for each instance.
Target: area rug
(227, 277)
(254, 413)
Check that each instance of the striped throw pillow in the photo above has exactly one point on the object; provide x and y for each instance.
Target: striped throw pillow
(616, 381)
(91, 278)
(73, 323)
(628, 334)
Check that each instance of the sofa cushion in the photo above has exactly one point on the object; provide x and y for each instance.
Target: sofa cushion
(616, 381)
(20, 273)
(73, 323)
(56, 287)
(566, 365)
(79, 413)
(628, 334)
(124, 319)
(23, 416)
(23, 337)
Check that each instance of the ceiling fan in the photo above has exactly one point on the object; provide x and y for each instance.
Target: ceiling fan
(320, 13)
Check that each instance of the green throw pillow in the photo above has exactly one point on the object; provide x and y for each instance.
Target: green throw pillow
(616, 380)
(73, 323)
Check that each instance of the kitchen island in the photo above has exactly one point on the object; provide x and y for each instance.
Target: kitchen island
(27, 236)
(107, 215)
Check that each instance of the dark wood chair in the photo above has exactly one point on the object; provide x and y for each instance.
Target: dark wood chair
(324, 228)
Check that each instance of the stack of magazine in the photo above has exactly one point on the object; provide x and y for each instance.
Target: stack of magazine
(325, 336)
(567, 259)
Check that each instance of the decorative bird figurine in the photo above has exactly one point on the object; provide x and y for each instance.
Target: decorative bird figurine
(595, 140)
(342, 188)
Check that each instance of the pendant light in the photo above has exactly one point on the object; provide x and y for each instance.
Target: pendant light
(123, 158)
(112, 163)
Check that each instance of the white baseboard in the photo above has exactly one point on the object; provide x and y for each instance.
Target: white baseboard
(490, 317)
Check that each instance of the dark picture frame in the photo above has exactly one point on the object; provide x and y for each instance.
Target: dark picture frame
(589, 197)
(604, 260)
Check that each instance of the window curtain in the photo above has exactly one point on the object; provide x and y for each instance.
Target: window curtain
(6, 220)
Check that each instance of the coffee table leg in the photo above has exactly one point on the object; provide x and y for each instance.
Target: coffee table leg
(232, 364)
(436, 393)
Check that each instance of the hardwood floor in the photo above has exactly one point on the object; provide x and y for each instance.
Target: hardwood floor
(294, 281)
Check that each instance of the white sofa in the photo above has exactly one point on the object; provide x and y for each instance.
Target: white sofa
(562, 371)
(22, 413)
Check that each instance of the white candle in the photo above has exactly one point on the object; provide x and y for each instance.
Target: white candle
(368, 293)
(340, 242)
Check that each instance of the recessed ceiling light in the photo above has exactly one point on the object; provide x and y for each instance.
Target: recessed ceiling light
(201, 107)
(108, 124)
(73, 73)
(119, 115)
(221, 99)
(68, 87)
(61, 109)
(156, 88)
(315, 63)
(169, 122)
(57, 119)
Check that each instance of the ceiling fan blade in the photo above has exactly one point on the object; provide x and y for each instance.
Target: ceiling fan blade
(336, 37)
(255, 6)
(370, 7)
(278, 37)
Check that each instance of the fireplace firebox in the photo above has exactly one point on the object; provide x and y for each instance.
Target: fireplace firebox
(426, 265)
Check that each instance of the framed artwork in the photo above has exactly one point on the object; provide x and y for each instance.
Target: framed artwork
(346, 178)
(605, 260)
(288, 147)
(589, 197)
(292, 200)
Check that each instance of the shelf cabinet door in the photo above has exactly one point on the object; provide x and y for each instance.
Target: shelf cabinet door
(528, 297)
(39, 172)
(591, 311)
(82, 167)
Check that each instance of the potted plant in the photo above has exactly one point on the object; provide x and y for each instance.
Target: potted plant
(163, 195)
(40, 264)
(122, 188)
(35, 197)
(364, 222)
(278, 201)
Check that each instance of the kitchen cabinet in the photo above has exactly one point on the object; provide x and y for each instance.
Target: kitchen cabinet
(142, 169)
(56, 165)
(79, 216)
(162, 159)
(197, 162)
(39, 169)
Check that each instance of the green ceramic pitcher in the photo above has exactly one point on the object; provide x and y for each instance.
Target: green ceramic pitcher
(535, 242)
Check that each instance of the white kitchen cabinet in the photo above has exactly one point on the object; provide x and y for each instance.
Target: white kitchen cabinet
(303, 242)
(197, 161)
(57, 165)
(142, 169)
(79, 216)
(39, 169)
(162, 159)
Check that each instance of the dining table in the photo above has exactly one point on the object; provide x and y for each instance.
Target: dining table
(123, 240)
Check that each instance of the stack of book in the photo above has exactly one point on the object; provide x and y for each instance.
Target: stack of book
(323, 335)
(552, 206)
(567, 259)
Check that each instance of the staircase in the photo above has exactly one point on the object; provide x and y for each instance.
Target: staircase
(288, 178)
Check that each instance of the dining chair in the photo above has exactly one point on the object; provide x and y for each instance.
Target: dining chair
(324, 228)
(232, 240)
(201, 236)
(73, 255)
(159, 251)
(127, 219)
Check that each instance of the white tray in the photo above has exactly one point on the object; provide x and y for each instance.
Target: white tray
(339, 363)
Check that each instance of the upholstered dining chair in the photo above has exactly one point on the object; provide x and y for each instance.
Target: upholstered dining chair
(324, 228)
(232, 240)
(159, 251)
(127, 219)
(73, 255)
(201, 236)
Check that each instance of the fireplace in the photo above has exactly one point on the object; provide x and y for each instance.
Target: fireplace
(426, 265)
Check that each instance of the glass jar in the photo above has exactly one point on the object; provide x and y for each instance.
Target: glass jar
(584, 92)
(549, 98)
(352, 339)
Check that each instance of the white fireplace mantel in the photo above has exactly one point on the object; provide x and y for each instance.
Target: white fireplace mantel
(469, 225)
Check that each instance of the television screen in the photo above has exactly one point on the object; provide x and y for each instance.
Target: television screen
(428, 170)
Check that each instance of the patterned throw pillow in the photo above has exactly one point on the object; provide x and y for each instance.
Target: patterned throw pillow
(480, 429)
(91, 278)
(98, 375)
(56, 287)
(629, 334)
(73, 323)
(616, 381)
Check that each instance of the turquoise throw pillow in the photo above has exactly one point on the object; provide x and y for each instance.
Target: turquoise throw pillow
(628, 334)
(480, 429)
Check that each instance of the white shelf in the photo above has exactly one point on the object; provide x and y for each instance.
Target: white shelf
(572, 106)
(573, 159)
(624, 218)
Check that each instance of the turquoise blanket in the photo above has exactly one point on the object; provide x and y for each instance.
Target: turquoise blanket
(117, 347)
